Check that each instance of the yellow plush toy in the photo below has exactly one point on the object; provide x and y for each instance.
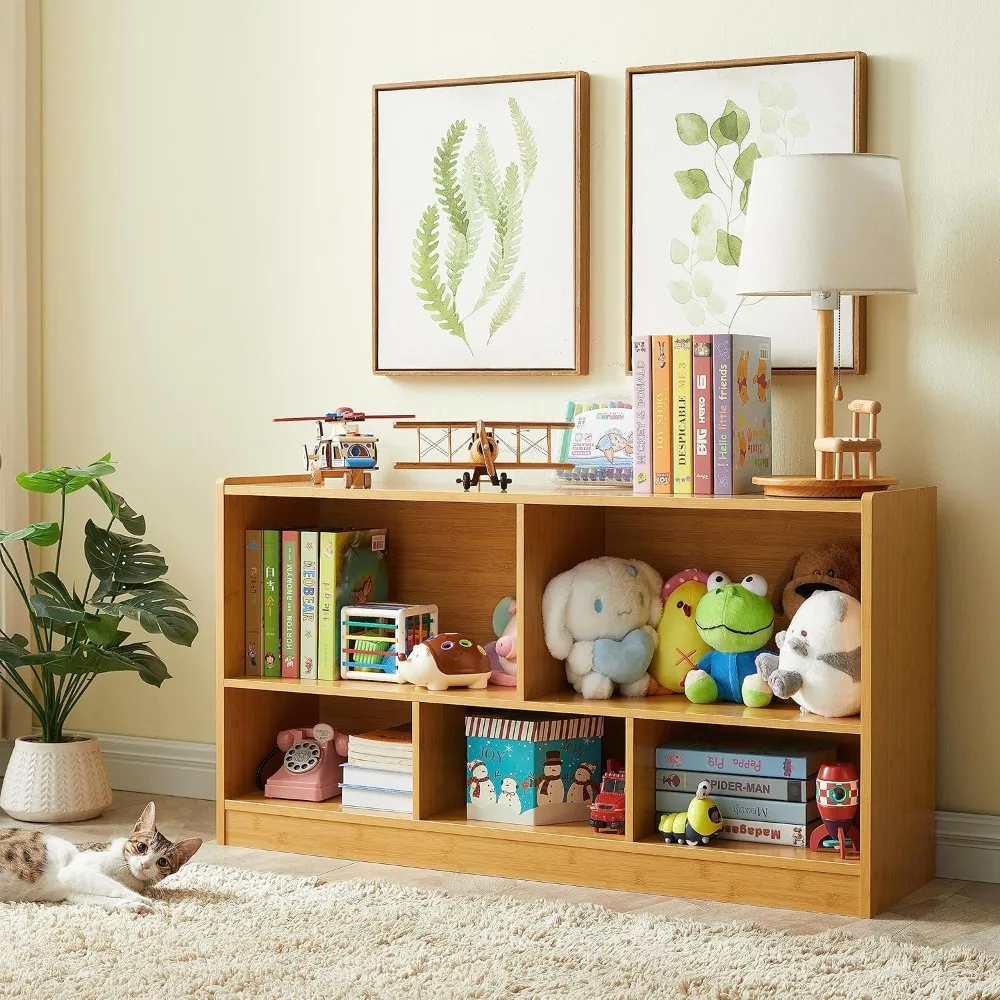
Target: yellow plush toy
(680, 646)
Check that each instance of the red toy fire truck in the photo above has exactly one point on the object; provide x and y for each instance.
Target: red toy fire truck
(607, 814)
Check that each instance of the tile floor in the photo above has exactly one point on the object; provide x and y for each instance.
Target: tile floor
(943, 913)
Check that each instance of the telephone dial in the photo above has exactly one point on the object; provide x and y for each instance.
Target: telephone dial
(313, 764)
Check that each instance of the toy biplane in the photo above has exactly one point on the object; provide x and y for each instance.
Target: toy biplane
(485, 446)
(350, 454)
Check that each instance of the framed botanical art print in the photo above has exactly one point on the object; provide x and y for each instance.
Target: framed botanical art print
(480, 236)
(693, 133)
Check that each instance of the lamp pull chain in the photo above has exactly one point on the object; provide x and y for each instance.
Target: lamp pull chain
(838, 392)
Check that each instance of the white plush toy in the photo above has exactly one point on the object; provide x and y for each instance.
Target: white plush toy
(819, 664)
(601, 617)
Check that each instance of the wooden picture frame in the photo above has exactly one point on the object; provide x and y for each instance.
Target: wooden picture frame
(570, 278)
(856, 117)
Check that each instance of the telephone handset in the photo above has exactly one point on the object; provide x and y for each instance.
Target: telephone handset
(312, 768)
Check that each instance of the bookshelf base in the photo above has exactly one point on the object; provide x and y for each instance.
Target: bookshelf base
(729, 871)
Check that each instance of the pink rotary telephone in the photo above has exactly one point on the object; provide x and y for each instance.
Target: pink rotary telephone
(313, 767)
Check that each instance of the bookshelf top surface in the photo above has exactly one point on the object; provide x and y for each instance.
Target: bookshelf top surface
(301, 487)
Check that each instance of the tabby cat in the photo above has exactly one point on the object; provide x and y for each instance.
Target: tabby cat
(37, 867)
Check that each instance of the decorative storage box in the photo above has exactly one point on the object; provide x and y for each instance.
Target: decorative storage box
(532, 769)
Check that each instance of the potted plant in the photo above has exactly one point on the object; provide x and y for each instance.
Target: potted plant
(77, 635)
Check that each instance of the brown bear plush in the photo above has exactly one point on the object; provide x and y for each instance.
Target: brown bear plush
(825, 567)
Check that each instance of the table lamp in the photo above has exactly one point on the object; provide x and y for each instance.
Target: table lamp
(824, 225)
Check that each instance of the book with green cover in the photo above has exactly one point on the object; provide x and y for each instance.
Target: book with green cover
(328, 659)
(272, 604)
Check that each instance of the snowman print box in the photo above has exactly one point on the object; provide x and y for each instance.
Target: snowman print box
(532, 769)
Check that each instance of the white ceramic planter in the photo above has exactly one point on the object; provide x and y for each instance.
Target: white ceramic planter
(55, 782)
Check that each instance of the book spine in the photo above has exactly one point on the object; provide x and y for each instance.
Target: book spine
(779, 789)
(642, 481)
(751, 407)
(787, 834)
(309, 585)
(662, 435)
(329, 654)
(253, 652)
(272, 603)
(722, 367)
(762, 810)
(683, 469)
(727, 762)
(289, 604)
(701, 375)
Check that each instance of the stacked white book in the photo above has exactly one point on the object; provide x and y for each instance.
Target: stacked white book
(379, 771)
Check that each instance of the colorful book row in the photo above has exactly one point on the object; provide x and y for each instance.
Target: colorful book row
(296, 583)
(697, 431)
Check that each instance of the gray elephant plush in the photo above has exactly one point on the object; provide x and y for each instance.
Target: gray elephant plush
(601, 617)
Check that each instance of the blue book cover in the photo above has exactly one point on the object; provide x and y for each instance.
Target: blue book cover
(764, 810)
(787, 760)
(747, 786)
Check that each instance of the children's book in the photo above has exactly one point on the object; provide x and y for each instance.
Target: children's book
(252, 652)
(357, 564)
(732, 807)
(376, 798)
(642, 475)
(751, 412)
(701, 414)
(722, 367)
(683, 459)
(374, 777)
(289, 604)
(327, 641)
(272, 603)
(747, 786)
(784, 760)
(308, 618)
(786, 834)
(662, 415)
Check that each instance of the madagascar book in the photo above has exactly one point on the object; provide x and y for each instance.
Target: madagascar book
(356, 564)
(747, 786)
(642, 471)
(682, 458)
(785, 834)
(751, 412)
(662, 414)
(308, 619)
(254, 617)
(734, 807)
(272, 603)
(701, 413)
(722, 367)
(289, 603)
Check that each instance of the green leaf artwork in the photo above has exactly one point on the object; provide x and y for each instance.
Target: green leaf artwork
(466, 200)
(721, 185)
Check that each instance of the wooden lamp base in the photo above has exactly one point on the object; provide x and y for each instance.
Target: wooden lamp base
(822, 489)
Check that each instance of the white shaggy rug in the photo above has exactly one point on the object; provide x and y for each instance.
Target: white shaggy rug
(222, 933)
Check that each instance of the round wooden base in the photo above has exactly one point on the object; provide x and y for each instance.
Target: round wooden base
(828, 489)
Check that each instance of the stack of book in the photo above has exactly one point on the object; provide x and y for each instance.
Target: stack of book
(702, 408)
(379, 771)
(296, 583)
(766, 794)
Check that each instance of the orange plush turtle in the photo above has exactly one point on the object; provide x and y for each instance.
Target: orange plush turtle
(825, 567)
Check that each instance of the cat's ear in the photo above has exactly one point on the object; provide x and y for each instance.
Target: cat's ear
(184, 851)
(147, 821)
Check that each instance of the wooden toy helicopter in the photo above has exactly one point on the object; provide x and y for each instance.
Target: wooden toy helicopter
(349, 455)
(482, 444)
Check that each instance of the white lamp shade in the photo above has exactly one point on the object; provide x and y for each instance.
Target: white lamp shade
(833, 222)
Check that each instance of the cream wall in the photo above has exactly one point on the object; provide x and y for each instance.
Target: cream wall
(206, 181)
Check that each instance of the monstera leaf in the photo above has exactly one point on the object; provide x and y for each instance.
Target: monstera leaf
(121, 558)
(65, 478)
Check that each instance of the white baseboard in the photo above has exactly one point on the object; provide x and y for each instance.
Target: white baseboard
(967, 846)
(160, 767)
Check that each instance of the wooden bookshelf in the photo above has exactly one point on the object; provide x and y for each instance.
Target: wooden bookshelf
(464, 552)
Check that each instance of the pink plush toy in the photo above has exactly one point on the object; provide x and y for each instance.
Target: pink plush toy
(503, 650)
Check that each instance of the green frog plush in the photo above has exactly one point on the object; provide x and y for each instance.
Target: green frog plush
(736, 620)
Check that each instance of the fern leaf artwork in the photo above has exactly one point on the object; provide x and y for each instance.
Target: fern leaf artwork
(465, 200)
(508, 305)
(426, 277)
(525, 143)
